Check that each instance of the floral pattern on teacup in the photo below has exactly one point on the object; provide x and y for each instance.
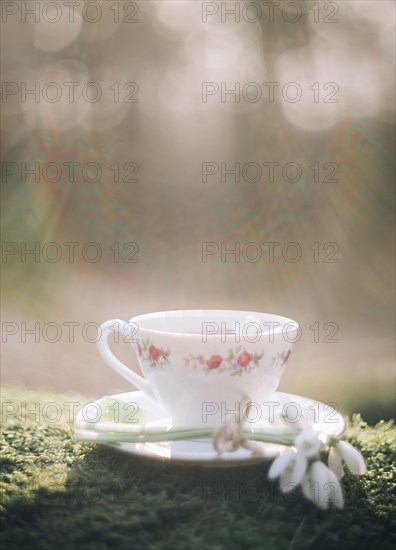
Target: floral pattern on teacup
(280, 359)
(155, 357)
(236, 362)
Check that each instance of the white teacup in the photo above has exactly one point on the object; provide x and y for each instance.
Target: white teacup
(199, 364)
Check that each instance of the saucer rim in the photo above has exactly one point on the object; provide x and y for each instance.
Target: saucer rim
(147, 450)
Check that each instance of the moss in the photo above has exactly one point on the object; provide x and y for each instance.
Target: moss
(59, 493)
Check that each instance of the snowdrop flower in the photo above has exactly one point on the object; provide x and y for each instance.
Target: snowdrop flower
(308, 443)
(301, 464)
(290, 467)
(321, 486)
(343, 451)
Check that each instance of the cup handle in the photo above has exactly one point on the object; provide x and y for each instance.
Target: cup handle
(104, 349)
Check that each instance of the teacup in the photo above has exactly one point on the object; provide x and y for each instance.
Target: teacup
(200, 364)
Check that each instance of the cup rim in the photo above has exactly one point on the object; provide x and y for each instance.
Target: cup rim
(284, 321)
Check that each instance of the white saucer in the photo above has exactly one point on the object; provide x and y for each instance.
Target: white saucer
(325, 419)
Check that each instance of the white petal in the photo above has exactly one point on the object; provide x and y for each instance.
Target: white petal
(353, 459)
(285, 481)
(326, 485)
(335, 462)
(307, 486)
(280, 464)
(294, 473)
(300, 467)
(308, 442)
(334, 490)
(319, 479)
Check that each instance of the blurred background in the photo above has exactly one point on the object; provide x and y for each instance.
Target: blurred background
(106, 140)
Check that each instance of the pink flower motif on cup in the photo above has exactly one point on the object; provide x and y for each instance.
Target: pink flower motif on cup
(244, 359)
(152, 356)
(280, 359)
(154, 352)
(214, 362)
(237, 362)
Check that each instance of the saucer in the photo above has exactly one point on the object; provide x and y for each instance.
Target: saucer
(323, 417)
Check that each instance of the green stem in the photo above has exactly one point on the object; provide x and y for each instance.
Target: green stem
(107, 434)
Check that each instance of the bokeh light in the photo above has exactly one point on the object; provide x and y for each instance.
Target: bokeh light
(162, 54)
(57, 30)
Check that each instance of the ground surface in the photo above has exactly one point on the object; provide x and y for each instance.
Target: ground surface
(57, 493)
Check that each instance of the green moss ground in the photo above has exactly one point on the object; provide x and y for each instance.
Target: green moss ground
(57, 493)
